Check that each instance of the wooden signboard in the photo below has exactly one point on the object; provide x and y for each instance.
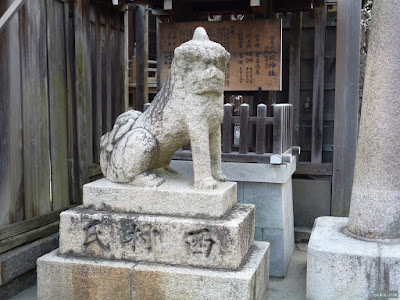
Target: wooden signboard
(255, 48)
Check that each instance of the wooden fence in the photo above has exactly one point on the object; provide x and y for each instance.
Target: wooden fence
(258, 138)
(62, 74)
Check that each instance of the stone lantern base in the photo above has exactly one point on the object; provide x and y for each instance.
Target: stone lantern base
(343, 266)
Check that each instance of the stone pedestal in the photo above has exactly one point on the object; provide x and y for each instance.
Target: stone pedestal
(111, 249)
(343, 266)
(269, 188)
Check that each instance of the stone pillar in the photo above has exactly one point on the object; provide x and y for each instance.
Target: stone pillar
(359, 257)
(375, 202)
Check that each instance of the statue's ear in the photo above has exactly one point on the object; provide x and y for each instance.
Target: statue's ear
(227, 57)
(178, 52)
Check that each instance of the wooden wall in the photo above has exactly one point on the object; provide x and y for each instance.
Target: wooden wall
(62, 73)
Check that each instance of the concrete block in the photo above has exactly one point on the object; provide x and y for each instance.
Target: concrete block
(18, 284)
(282, 246)
(171, 240)
(342, 266)
(311, 199)
(20, 260)
(62, 277)
(250, 281)
(176, 197)
(247, 172)
(273, 202)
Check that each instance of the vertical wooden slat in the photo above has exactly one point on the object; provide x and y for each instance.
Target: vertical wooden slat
(57, 103)
(35, 108)
(97, 99)
(277, 129)
(294, 71)
(158, 54)
(109, 58)
(114, 65)
(104, 71)
(142, 53)
(122, 62)
(271, 100)
(261, 128)
(227, 129)
(93, 68)
(11, 155)
(244, 128)
(83, 84)
(318, 85)
(127, 32)
(346, 105)
(73, 177)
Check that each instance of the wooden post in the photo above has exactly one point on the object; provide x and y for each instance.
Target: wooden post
(261, 128)
(318, 85)
(142, 56)
(244, 128)
(227, 131)
(277, 129)
(294, 71)
(346, 104)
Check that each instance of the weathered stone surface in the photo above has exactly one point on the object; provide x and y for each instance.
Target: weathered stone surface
(62, 277)
(341, 266)
(375, 201)
(176, 197)
(20, 260)
(245, 172)
(250, 281)
(189, 108)
(197, 242)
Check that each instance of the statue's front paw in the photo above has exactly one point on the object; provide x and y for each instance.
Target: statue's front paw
(219, 177)
(207, 183)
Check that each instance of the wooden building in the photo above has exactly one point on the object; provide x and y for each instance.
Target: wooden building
(64, 79)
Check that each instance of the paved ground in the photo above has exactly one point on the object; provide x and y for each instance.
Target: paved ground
(292, 287)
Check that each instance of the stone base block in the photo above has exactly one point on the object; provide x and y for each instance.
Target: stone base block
(60, 277)
(175, 197)
(341, 266)
(250, 281)
(84, 278)
(171, 240)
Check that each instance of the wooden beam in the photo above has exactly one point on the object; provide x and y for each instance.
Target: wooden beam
(10, 12)
(30, 224)
(28, 236)
(346, 104)
(306, 168)
(294, 71)
(318, 85)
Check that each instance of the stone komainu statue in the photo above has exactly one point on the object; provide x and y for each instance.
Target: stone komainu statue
(188, 109)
